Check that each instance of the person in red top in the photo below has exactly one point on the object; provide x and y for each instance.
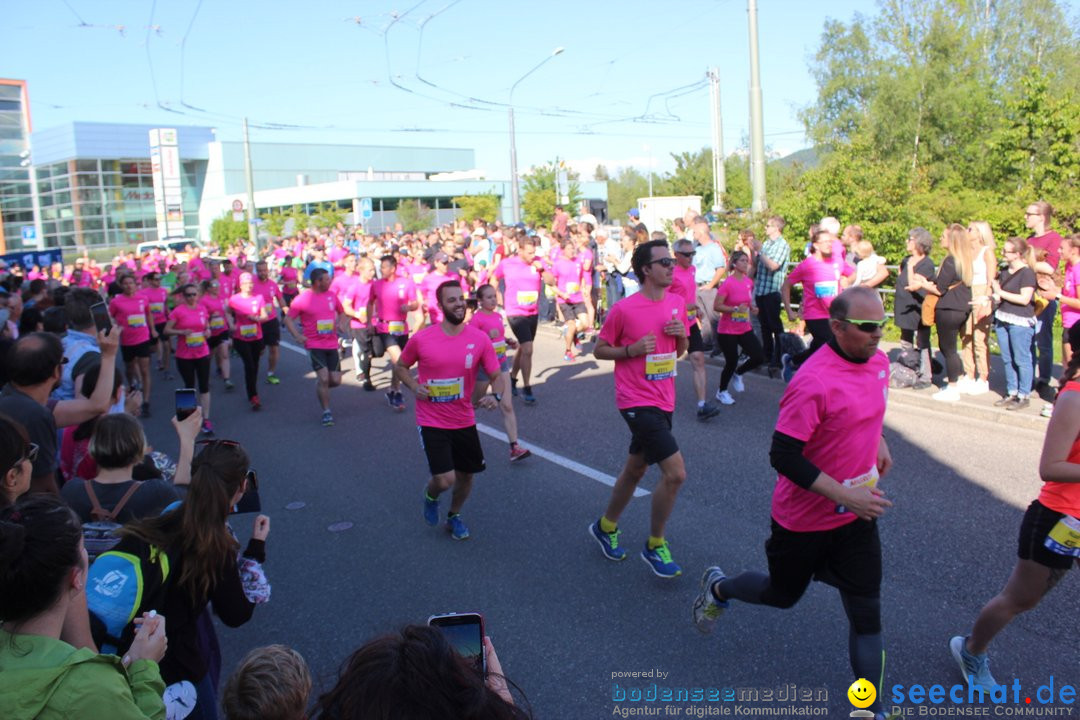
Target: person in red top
(829, 454)
(190, 322)
(271, 329)
(249, 312)
(158, 298)
(645, 334)
(1047, 244)
(392, 299)
(684, 285)
(1049, 539)
(448, 357)
(321, 316)
(131, 313)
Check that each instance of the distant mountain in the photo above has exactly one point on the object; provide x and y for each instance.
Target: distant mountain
(807, 157)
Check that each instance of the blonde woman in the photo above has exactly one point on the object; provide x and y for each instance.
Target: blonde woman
(975, 340)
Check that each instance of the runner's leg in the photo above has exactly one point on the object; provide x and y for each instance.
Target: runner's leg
(322, 387)
(463, 483)
(627, 482)
(672, 476)
(1027, 585)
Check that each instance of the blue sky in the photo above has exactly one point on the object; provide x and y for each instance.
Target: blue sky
(425, 72)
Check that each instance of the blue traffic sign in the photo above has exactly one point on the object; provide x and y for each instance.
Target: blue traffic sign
(29, 232)
(365, 208)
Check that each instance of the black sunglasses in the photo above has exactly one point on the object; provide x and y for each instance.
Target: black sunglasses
(867, 326)
(30, 452)
(692, 253)
(662, 262)
(194, 295)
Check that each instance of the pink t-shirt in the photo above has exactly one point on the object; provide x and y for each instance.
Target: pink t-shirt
(229, 283)
(156, 297)
(644, 380)
(417, 271)
(430, 284)
(197, 269)
(1051, 244)
(130, 313)
(358, 295)
(215, 307)
(523, 283)
(196, 319)
(735, 292)
(821, 283)
(448, 366)
(1071, 289)
(342, 282)
(491, 324)
(683, 285)
(336, 255)
(837, 408)
(246, 312)
(267, 290)
(569, 278)
(318, 314)
(290, 279)
(390, 296)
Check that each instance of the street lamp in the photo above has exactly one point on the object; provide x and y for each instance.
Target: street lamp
(513, 143)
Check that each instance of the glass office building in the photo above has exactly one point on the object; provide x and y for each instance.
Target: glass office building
(16, 198)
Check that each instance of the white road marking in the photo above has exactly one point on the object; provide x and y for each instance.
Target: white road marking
(553, 457)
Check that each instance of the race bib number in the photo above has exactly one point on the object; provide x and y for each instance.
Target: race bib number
(527, 297)
(572, 288)
(867, 479)
(195, 340)
(691, 313)
(136, 321)
(740, 316)
(217, 322)
(157, 308)
(270, 309)
(660, 366)
(827, 288)
(324, 327)
(500, 349)
(249, 331)
(446, 390)
(362, 312)
(1064, 538)
(418, 278)
(395, 327)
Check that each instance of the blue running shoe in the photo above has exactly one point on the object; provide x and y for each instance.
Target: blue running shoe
(431, 511)
(457, 528)
(706, 607)
(528, 396)
(660, 562)
(609, 542)
(974, 668)
(788, 370)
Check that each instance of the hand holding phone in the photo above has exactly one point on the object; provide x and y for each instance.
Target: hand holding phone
(102, 321)
(186, 402)
(465, 633)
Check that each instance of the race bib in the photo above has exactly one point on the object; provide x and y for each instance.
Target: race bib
(136, 321)
(324, 327)
(418, 277)
(867, 479)
(740, 316)
(217, 322)
(395, 327)
(572, 288)
(527, 297)
(249, 331)
(500, 349)
(1064, 538)
(195, 340)
(691, 312)
(446, 390)
(270, 309)
(660, 366)
(157, 308)
(826, 288)
(362, 312)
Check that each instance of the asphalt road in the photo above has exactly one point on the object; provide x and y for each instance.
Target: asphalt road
(350, 556)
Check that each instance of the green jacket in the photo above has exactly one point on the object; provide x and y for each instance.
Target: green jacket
(47, 679)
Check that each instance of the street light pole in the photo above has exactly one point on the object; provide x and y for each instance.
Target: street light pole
(513, 142)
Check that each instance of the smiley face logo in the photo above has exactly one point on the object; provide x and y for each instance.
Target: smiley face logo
(862, 693)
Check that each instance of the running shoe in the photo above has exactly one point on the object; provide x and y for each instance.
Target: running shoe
(609, 542)
(788, 371)
(707, 609)
(369, 386)
(391, 397)
(327, 419)
(1002, 402)
(580, 337)
(568, 357)
(256, 403)
(145, 410)
(974, 668)
(513, 386)
(229, 386)
(519, 453)
(529, 398)
(456, 527)
(207, 428)
(272, 379)
(431, 511)
(1020, 403)
(399, 401)
(659, 560)
(725, 397)
(707, 412)
(737, 383)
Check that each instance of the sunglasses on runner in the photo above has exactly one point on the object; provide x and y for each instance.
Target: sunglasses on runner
(867, 326)
(663, 262)
(30, 452)
(691, 254)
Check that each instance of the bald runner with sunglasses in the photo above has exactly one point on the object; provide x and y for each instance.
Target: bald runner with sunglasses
(829, 456)
(683, 284)
(645, 334)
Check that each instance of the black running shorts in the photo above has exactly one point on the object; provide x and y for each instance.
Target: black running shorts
(847, 557)
(523, 326)
(324, 359)
(272, 332)
(696, 343)
(1038, 521)
(452, 450)
(650, 433)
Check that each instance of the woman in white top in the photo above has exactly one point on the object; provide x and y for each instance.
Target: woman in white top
(975, 339)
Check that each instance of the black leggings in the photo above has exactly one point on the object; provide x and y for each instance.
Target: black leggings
(192, 368)
(949, 323)
(249, 352)
(919, 339)
(730, 345)
(821, 333)
(772, 327)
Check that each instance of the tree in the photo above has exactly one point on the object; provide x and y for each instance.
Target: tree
(692, 176)
(601, 174)
(624, 190)
(414, 216)
(485, 206)
(224, 231)
(540, 198)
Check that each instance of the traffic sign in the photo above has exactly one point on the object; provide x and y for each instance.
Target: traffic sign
(29, 232)
(365, 208)
(238, 206)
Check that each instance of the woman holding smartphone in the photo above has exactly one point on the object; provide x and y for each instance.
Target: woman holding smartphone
(190, 322)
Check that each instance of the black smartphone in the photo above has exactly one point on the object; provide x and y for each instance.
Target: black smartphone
(472, 303)
(465, 633)
(249, 502)
(102, 321)
(186, 402)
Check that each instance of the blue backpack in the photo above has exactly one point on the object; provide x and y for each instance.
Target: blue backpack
(121, 585)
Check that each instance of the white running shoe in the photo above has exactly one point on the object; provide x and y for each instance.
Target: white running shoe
(949, 394)
(725, 398)
(977, 387)
(737, 383)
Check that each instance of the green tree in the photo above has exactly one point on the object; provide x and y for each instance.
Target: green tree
(539, 198)
(328, 215)
(414, 216)
(692, 176)
(485, 206)
(624, 190)
(601, 174)
(224, 231)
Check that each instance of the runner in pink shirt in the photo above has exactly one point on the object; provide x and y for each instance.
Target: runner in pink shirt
(524, 277)
(190, 323)
(829, 456)
(571, 282)
(290, 281)
(392, 299)
(448, 357)
(131, 313)
(158, 299)
(734, 333)
(684, 285)
(822, 276)
(248, 309)
(214, 303)
(431, 283)
(645, 334)
(355, 304)
(321, 316)
(273, 299)
(489, 321)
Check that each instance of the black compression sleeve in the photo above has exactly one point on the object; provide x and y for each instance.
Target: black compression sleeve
(786, 456)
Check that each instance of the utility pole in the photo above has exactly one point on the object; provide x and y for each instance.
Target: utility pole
(253, 229)
(757, 132)
(718, 178)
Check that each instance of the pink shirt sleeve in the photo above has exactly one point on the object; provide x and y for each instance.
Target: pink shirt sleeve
(802, 408)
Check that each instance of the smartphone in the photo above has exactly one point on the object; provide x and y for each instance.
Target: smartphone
(249, 502)
(186, 402)
(102, 321)
(465, 633)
